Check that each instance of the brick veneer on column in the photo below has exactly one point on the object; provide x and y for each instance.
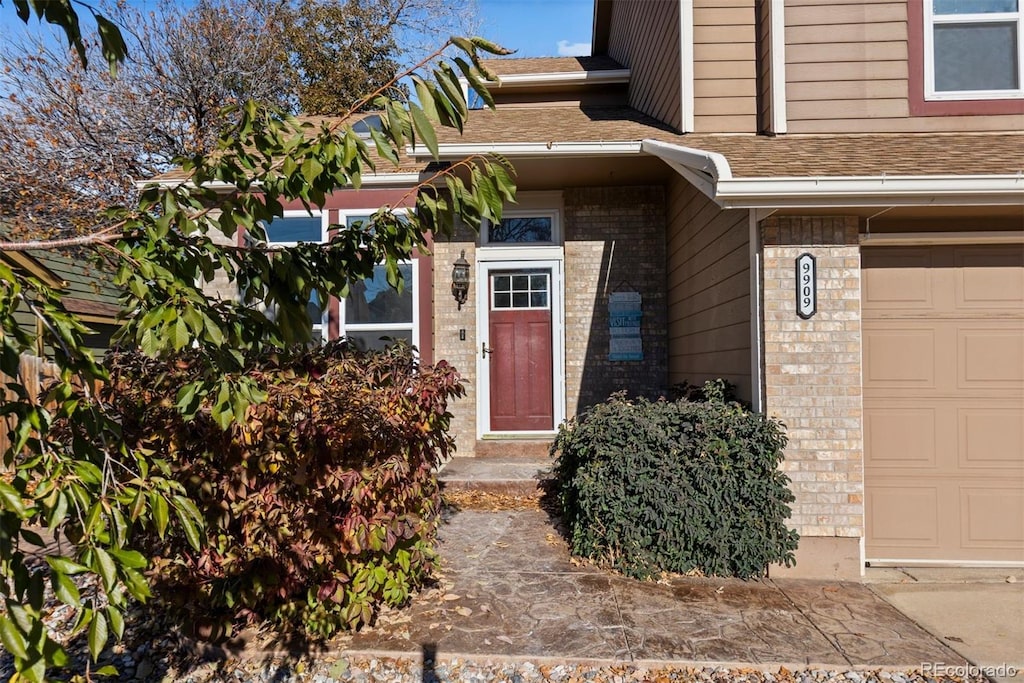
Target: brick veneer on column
(813, 384)
(448, 320)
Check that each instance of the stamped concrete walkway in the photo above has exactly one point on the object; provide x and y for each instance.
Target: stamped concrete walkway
(511, 589)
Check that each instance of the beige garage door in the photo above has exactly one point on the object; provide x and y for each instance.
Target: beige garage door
(944, 403)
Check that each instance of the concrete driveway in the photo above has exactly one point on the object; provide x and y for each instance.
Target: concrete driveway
(977, 612)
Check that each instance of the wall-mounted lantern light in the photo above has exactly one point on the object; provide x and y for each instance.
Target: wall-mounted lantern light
(460, 279)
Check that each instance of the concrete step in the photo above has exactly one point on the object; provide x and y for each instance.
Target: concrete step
(508, 475)
(538, 449)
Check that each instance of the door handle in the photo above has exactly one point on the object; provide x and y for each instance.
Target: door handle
(484, 350)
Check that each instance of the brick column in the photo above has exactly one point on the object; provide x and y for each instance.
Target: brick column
(448, 320)
(813, 384)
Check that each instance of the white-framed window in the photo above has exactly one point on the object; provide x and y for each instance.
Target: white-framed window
(374, 312)
(973, 49)
(303, 226)
(522, 228)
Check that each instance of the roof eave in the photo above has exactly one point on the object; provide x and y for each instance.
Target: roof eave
(375, 180)
(531, 149)
(592, 77)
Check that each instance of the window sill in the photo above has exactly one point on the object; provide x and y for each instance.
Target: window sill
(955, 106)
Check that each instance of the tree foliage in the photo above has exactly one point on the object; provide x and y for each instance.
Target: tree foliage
(75, 139)
(86, 484)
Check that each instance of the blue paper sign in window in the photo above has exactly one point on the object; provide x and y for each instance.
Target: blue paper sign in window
(625, 313)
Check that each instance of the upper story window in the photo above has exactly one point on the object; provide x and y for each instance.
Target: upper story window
(973, 49)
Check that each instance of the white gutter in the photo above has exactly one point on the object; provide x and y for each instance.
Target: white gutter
(531, 149)
(599, 77)
(715, 179)
(734, 193)
(712, 163)
(375, 180)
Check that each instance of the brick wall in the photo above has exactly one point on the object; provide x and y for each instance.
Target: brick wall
(614, 241)
(813, 371)
(448, 320)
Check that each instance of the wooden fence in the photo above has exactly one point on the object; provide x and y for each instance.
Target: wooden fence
(36, 374)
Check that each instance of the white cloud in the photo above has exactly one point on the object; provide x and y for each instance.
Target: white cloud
(567, 49)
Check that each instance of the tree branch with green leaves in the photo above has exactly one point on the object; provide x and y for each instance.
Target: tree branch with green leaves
(69, 470)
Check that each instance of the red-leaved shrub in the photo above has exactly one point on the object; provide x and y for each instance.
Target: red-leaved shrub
(320, 505)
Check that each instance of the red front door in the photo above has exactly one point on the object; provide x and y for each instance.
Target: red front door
(520, 350)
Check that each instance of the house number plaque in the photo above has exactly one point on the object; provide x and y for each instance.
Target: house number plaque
(806, 286)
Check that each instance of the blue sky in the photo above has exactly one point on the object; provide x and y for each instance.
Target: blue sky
(534, 28)
(538, 28)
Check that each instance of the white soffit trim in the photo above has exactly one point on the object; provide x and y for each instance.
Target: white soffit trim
(599, 76)
(924, 238)
(532, 149)
(777, 45)
(376, 180)
(686, 64)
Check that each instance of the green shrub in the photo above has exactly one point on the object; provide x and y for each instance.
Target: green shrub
(320, 506)
(647, 487)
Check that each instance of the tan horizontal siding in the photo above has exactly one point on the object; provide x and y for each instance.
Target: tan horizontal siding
(645, 37)
(847, 71)
(725, 34)
(724, 66)
(727, 106)
(862, 109)
(860, 13)
(831, 34)
(724, 87)
(892, 50)
(848, 90)
(937, 124)
(708, 290)
(724, 124)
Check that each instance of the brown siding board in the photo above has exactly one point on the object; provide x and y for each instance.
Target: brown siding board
(727, 106)
(723, 52)
(891, 50)
(829, 34)
(645, 37)
(723, 87)
(849, 14)
(736, 15)
(848, 90)
(866, 109)
(705, 70)
(847, 71)
(724, 124)
(708, 289)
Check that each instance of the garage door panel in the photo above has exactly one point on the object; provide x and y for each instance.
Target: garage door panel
(992, 517)
(899, 357)
(990, 357)
(989, 277)
(991, 437)
(898, 279)
(903, 516)
(949, 362)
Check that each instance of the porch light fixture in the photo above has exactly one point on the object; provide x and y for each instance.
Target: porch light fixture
(460, 279)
